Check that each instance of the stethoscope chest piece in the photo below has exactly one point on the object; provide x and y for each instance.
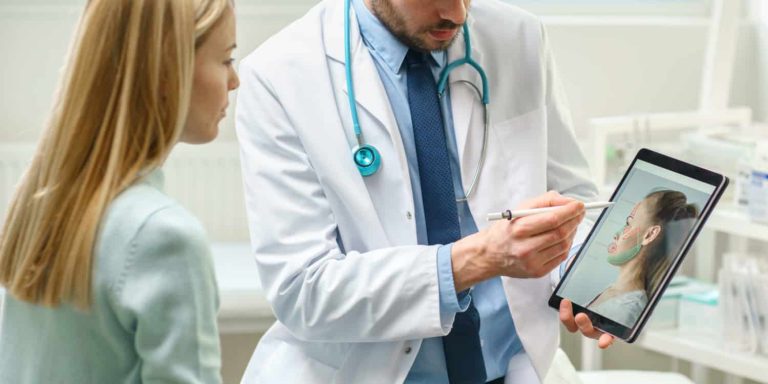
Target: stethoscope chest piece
(367, 159)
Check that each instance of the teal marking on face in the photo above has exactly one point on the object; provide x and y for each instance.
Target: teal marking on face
(624, 257)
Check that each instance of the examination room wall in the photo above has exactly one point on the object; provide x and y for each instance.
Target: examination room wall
(609, 67)
(761, 61)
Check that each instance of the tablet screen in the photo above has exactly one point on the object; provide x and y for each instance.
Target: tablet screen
(634, 246)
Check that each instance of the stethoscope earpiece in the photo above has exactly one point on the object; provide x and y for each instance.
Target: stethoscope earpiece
(367, 159)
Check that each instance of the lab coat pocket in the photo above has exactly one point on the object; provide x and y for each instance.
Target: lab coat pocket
(522, 137)
(302, 362)
(517, 155)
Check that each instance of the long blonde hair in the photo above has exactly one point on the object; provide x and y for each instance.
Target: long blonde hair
(121, 106)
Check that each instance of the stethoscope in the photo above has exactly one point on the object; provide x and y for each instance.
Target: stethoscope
(366, 157)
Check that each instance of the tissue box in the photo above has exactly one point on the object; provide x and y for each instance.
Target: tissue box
(700, 314)
(667, 312)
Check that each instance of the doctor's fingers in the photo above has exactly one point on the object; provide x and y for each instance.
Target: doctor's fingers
(535, 261)
(558, 251)
(583, 324)
(566, 316)
(540, 241)
(540, 254)
(553, 257)
(586, 327)
(549, 199)
(544, 222)
(605, 341)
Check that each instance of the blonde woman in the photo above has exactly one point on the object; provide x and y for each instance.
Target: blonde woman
(108, 279)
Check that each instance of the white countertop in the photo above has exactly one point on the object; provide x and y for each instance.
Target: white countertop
(244, 308)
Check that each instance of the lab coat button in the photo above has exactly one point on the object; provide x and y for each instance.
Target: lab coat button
(409, 215)
(408, 350)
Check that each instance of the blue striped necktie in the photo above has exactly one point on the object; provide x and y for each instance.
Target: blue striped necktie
(463, 354)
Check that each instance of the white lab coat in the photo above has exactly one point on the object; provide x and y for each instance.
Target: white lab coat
(337, 253)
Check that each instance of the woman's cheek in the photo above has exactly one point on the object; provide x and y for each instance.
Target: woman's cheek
(628, 233)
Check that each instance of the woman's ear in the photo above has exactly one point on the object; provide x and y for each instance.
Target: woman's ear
(651, 234)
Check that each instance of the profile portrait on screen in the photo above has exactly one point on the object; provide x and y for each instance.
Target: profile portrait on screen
(643, 251)
(637, 244)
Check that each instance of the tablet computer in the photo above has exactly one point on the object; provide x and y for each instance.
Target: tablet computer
(637, 244)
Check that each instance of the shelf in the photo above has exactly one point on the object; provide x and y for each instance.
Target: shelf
(727, 218)
(706, 352)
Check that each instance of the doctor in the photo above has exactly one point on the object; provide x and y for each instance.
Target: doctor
(370, 160)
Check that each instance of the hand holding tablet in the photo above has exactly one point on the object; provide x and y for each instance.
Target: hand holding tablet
(636, 246)
(581, 323)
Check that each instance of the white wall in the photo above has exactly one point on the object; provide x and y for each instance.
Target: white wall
(613, 69)
(761, 60)
(34, 38)
(608, 68)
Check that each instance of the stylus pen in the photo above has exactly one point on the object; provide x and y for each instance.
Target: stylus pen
(509, 215)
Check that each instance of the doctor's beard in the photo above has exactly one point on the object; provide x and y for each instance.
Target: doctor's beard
(395, 23)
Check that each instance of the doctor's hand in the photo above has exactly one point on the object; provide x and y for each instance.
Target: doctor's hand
(525, 247)
(583, 324)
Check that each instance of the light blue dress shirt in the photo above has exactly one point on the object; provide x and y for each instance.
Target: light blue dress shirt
(497, 331)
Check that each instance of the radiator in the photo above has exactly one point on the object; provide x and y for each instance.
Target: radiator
(205, 179)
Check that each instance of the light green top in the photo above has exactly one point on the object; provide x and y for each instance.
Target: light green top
(625, 308)
(153, 313)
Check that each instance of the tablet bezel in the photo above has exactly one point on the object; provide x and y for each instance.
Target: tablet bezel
(716, 180)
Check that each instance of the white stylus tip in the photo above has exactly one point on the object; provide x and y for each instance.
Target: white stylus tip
(495, 216)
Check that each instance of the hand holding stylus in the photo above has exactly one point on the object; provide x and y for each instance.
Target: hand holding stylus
(528, 247)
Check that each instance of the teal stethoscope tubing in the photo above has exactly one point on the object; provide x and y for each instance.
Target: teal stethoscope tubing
(367, 157)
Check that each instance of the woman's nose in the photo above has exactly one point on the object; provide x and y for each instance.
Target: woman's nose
(234, 80)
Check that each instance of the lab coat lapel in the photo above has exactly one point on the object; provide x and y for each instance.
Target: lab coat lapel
(369, 90)
(374, 110)
(466, 107)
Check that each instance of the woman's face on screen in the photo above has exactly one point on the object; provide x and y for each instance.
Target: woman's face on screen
(634, 234)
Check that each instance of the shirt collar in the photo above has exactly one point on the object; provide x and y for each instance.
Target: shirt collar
(153, 177)
(380, 40)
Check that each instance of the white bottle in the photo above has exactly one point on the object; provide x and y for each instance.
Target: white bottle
(741, 183)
